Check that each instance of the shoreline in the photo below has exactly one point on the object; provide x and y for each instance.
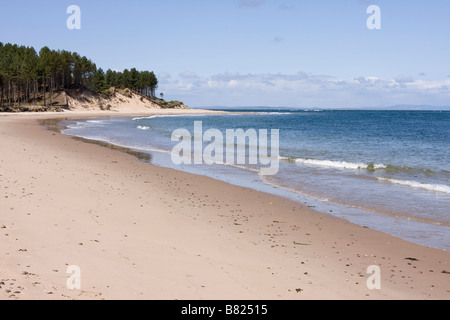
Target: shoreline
(410, 228)
(234, 242)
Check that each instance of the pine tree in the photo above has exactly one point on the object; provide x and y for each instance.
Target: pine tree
(99, 80)
(25, 75)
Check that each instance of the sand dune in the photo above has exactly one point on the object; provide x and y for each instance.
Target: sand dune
(117, 100)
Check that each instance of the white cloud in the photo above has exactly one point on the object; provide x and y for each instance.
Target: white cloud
(404, 79)
(164, 76)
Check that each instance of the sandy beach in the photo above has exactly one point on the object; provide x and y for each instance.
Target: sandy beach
(137, 231)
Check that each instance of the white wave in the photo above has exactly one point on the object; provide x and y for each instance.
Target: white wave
(332, 164)
(144, 118)
(96, 121)
(418, 185)
(74, 126)
(143, 128)
(80, 125)
(86, 124)
(170, 116)
(339, 164)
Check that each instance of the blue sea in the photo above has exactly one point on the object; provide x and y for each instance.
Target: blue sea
(386, 170)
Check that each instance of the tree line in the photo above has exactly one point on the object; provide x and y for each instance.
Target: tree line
(27, 76)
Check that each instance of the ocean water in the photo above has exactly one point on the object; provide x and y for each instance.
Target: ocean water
(386, 170)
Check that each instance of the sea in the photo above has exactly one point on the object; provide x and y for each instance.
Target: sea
(384, 170)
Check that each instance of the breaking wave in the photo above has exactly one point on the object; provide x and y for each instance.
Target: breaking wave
(418, 185)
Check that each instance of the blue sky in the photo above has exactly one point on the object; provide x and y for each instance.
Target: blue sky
(312, 53)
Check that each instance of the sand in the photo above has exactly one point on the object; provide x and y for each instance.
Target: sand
(137, 231)
(119, 101)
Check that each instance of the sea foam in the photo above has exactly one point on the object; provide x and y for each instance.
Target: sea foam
(418, 185)
(340, 164)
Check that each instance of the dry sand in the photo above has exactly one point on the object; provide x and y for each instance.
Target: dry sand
(137, 231)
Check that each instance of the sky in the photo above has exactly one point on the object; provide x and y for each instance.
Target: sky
(279, 53)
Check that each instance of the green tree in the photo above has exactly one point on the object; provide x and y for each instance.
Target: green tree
(25, 75)
(7, 67)
(30, 73)
(126, 79)
(99, 80)
(44, 69)
(1, 74)
(110, 78)
(134, 78)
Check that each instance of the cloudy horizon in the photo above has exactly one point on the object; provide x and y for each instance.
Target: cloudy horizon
(304, 90)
